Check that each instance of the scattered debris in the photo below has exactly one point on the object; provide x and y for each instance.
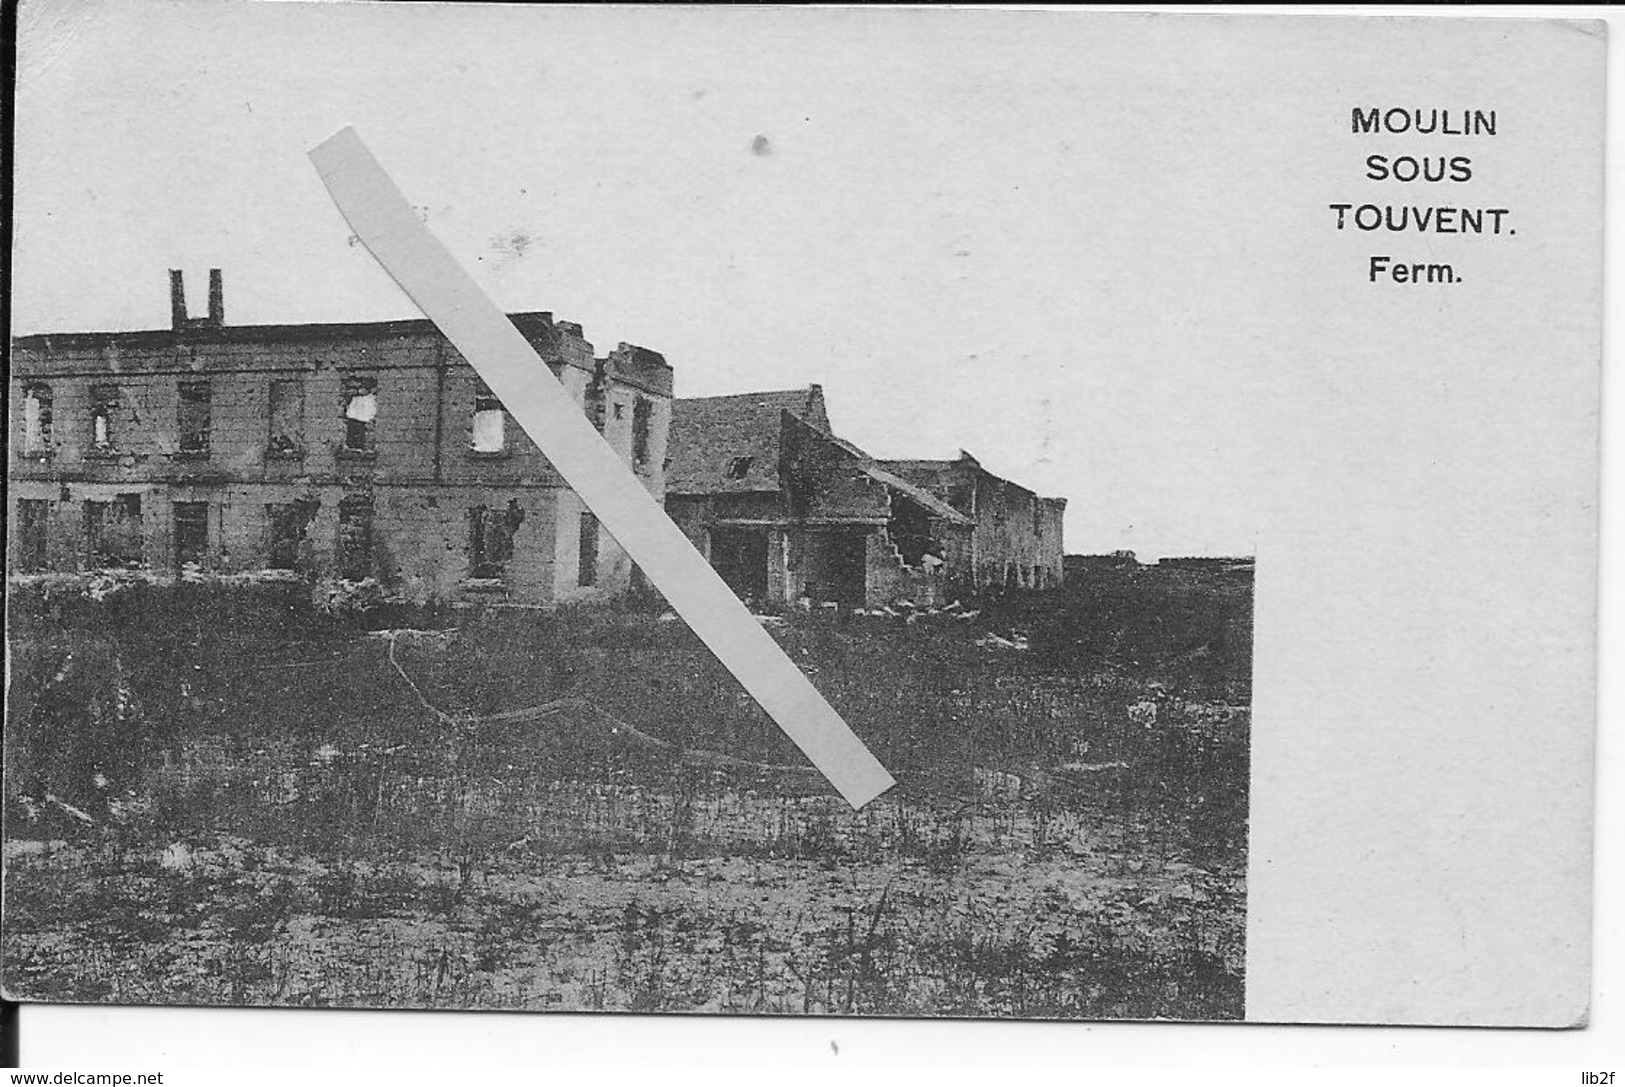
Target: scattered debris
(177, 857)
(994, 641)
(1090, 767)
(390, 634)
(77, 813)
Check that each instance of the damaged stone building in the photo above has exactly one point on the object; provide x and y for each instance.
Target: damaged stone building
(1017, 539)
(328, 450)
(784, 509)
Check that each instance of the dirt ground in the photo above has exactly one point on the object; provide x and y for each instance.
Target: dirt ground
(218, 797)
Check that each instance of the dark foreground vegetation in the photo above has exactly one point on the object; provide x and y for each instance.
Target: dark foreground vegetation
(223, 794)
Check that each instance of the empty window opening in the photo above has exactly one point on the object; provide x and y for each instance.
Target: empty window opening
(490, 539)
(910, 530)
(354, 558)
(287, 436)
(596, 396)
(33, 527)
(360, 413)
(113, 531)
(490, 428)
(620, 410)
(194, 417)
(739, 467)
(103, 402)
(587, 561)
(1038, 519)
(37, 419)
(642, 413)
(191, 533)
(288, 546)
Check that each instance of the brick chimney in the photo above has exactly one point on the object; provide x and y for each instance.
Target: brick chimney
(177, 299)
(217, 299)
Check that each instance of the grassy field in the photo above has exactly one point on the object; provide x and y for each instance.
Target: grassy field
(215, 794)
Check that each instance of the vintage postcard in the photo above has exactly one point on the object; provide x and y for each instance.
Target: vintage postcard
(979, 513)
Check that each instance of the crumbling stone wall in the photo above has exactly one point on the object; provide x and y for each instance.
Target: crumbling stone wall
(1017, 541)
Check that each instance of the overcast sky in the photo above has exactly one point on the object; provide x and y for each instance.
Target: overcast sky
(1073, 245)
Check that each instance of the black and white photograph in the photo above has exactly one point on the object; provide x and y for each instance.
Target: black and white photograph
(875, 633)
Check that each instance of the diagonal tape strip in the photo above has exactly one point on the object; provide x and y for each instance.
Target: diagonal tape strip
(431, 276)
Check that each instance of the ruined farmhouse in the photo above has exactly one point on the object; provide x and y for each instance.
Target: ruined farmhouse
(784, 509)
(373, 450)
(327, 450)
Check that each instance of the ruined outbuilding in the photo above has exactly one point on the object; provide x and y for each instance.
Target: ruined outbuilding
(1017, 540)
(786, 510)
(347, 451)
